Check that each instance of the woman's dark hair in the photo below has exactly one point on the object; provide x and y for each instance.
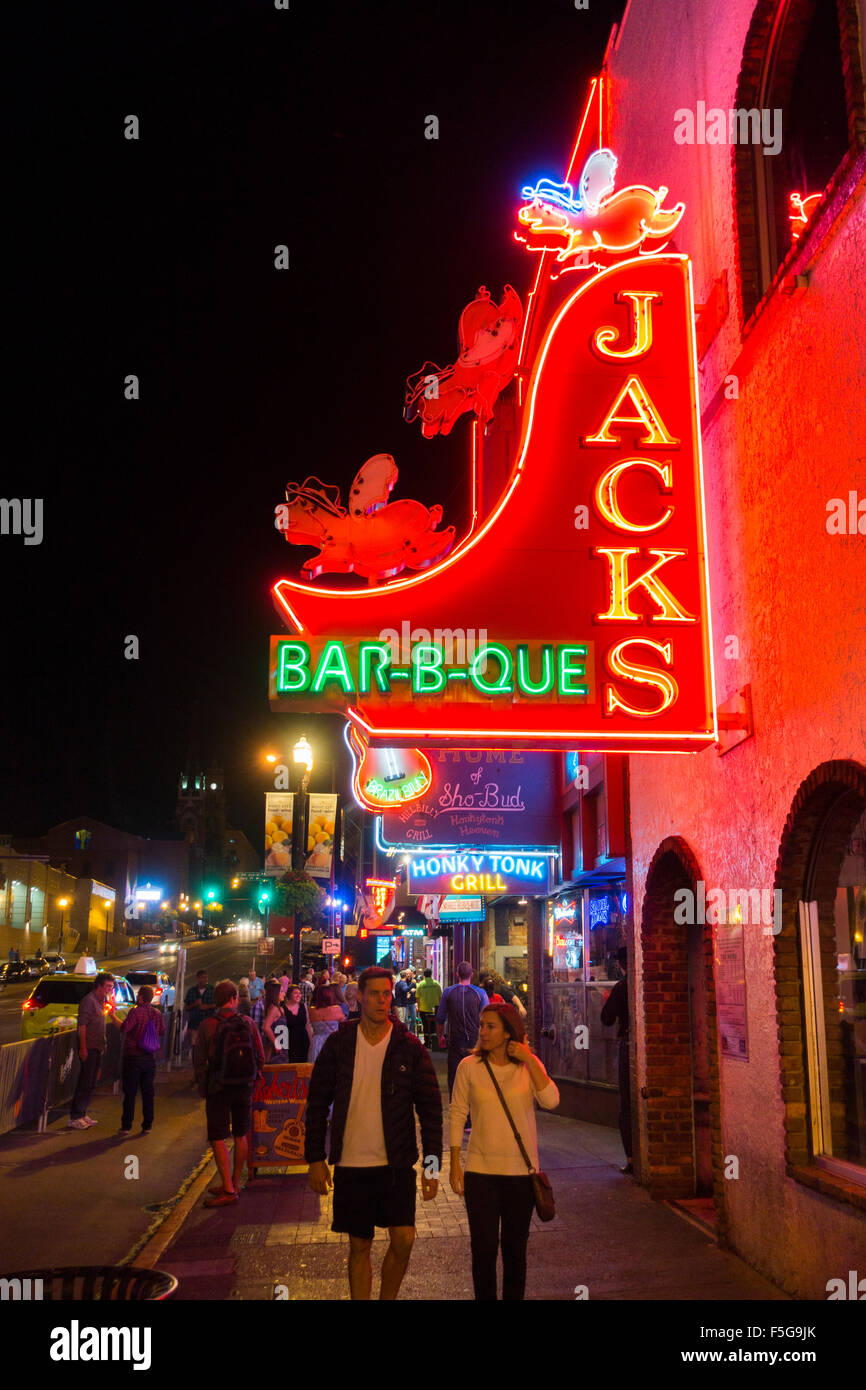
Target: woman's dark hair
(272, 993)
(324, 996)
(511, 1022)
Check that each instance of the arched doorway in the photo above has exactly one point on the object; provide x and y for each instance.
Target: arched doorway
(681, 1111)
(821, 981)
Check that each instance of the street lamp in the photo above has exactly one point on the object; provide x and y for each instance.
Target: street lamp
(303, 753)
(62, 903)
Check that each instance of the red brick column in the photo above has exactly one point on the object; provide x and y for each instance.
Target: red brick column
(669, 1165)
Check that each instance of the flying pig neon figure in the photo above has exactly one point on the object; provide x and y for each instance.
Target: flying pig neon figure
(373, 537)
(597, 221)
(489, 343)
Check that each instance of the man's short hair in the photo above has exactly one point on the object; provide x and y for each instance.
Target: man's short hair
(200, 972)
(374, 972)
(464, 970)
(103, 978)
(224, 992)
(428, 974)
(145, 994)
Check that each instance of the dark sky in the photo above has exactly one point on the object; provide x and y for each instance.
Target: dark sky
(155, 257)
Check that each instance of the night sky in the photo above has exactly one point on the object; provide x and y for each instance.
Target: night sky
(155, 257)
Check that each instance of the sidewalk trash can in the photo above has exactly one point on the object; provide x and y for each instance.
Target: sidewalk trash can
(102, 1283)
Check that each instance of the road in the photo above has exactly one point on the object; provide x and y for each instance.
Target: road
(223, 957)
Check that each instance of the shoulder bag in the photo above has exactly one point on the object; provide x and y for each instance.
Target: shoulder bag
(545, 1204)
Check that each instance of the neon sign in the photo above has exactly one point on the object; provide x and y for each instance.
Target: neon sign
(565, 910)
(489, 341)
(373, 537)
(801, 210)
(489, 871)
(520, 670)
(597, 221)
(379, 899)
(590, 574)
(385, 778)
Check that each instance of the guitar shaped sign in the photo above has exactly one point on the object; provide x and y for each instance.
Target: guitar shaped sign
(385, 778)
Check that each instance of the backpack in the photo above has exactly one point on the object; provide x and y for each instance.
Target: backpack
(234, 1061)
(464, 1015)
(148, 1039)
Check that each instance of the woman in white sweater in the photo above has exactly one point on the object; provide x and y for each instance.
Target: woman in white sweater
(496, 1182)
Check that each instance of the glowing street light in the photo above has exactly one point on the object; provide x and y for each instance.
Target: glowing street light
(62, 903)
(303, 753)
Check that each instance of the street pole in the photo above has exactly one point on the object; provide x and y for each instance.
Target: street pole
(299, 859)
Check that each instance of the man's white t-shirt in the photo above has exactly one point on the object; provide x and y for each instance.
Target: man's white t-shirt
(364, 1137)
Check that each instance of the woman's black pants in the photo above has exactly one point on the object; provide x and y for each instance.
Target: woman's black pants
(138, 1072)
(491, 1199)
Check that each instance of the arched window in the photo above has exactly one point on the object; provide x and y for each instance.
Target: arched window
(821, 981)
(802, 70)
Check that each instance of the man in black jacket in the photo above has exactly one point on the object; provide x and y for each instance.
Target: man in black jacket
(376, 1075)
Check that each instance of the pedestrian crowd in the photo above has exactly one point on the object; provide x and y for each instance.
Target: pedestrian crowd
(370, 1041)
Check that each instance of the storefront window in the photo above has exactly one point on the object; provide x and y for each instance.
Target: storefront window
(567, 937)
(605, 933)
(836, 1016)
(585, 932)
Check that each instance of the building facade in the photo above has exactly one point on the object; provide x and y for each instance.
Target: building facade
(748, 865)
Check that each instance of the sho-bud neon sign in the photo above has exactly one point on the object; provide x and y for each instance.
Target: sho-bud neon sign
(589, 577)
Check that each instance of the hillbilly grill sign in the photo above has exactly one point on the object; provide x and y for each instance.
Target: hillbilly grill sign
(589, 578)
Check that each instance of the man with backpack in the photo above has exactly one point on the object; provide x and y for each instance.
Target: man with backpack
(228, 1060)
(460, 1008)
(142, 1030)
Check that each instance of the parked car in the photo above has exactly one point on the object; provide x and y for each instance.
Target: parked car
(18, 971)
(39, 964)
(163, 989)
(55, 962)
(53, 1004)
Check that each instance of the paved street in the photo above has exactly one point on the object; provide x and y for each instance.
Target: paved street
(608, 1235)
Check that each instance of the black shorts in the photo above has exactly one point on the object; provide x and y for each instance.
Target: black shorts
(369, 1197)
(228, 1113)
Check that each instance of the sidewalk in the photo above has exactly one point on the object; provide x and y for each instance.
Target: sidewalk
(70, 1197)
(608, 1235)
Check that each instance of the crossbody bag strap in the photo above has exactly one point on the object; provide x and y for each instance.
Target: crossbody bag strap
(514, 1128)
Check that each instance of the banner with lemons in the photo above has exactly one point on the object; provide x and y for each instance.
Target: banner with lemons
(321, 825)
(278, 832)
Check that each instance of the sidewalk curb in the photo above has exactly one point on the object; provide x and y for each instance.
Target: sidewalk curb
(153, 1244)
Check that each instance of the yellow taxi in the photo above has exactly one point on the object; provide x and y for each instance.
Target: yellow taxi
(52, 1004)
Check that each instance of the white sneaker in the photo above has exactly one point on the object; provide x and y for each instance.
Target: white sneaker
(78, 1124)
(88, 1120)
